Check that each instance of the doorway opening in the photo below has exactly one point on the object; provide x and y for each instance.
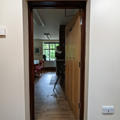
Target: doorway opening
(57, 60)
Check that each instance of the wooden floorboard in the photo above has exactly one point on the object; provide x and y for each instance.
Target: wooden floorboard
(48, 105)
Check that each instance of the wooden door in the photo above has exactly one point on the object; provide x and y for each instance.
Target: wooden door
(72, 60)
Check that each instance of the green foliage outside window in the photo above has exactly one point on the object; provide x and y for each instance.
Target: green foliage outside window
(49, 50)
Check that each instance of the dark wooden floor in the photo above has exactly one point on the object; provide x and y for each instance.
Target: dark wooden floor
(48, 105)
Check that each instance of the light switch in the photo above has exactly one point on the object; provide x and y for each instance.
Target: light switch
(108, 109)
(2, 32)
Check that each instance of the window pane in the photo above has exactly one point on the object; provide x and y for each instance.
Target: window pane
(46, 52)
(52, 54)
(49, 50)
(45, 46)
(52, 46)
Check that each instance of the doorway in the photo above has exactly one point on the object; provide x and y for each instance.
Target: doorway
(58, 5)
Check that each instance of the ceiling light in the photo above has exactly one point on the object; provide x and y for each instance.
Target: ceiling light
(47, 35)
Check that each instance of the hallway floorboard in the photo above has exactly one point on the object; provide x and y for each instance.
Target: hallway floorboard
(48, 105)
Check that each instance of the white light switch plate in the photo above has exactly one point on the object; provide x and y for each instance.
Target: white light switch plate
(2, 32)
(108, 109)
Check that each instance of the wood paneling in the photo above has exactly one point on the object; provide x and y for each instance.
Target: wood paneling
(72, 59)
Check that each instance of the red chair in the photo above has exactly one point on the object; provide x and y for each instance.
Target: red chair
(38, 68)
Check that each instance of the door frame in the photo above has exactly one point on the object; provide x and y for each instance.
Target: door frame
(57, 5)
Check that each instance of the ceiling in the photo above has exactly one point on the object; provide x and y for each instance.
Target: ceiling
(49, 22)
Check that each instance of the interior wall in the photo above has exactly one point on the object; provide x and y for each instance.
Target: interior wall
(38, 44)
(104, 59)
(12, 92)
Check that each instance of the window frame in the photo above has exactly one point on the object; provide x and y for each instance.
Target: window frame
(49, 49)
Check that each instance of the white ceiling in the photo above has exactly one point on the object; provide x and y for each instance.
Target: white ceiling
(52, 18)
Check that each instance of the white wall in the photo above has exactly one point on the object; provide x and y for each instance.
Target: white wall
(104, 59)
(38, 44)
(12, 97)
